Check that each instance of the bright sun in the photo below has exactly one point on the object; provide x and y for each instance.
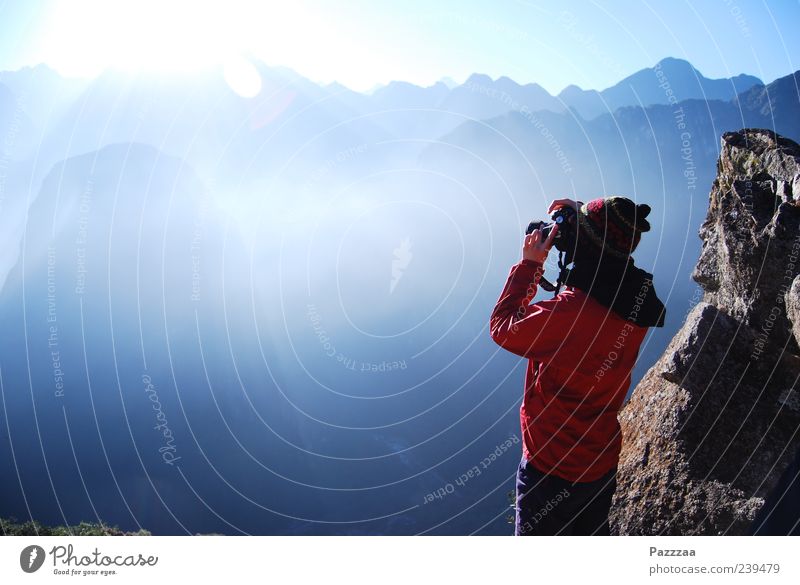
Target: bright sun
(83, 37)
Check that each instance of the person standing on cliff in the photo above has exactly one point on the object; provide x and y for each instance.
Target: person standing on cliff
(581, 346)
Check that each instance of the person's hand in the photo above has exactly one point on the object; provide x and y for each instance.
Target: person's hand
(534, 248)
(556, 203)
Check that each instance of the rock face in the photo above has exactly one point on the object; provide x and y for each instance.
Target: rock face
(713, 424)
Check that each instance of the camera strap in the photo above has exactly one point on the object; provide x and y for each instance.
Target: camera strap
(562, 273)
(562, 276)
(546, 284)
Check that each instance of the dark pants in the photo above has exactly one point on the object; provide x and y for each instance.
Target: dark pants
(549, 505)
(780, 514)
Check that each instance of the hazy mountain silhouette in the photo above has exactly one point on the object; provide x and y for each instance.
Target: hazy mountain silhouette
(639, 89)
(777, 103)
(347, 249)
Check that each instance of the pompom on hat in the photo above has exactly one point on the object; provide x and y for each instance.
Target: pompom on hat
(613, 224)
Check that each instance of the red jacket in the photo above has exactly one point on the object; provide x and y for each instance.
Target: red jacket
(580, 355)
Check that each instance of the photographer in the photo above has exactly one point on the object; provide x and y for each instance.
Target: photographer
(581, 346)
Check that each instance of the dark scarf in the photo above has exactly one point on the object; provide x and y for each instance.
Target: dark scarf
(622, 287)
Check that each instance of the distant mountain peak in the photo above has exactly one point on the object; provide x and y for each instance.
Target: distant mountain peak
(504, 80)
(670, 78)
(449, 82)
(571, 89)
(478, 79)
(674, 62)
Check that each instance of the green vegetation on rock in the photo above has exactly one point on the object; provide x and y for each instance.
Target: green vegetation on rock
(11, 527)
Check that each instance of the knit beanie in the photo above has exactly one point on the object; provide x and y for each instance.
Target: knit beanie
(613, 224)
(609, 229)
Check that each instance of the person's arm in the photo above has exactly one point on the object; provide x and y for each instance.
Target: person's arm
(513, 308)
(516, 325)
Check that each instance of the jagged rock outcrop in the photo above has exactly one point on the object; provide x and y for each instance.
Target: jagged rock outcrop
(713, 424)
(793, 307)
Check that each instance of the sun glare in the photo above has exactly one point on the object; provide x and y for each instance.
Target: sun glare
(81, 38)
(242, 77)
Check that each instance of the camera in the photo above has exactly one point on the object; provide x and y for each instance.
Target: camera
(565, 217)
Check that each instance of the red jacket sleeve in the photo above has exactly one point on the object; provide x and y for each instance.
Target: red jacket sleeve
(532, 331)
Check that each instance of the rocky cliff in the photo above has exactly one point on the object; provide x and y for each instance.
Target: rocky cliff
(711, 426)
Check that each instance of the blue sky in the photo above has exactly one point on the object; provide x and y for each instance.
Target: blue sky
(361, 43)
